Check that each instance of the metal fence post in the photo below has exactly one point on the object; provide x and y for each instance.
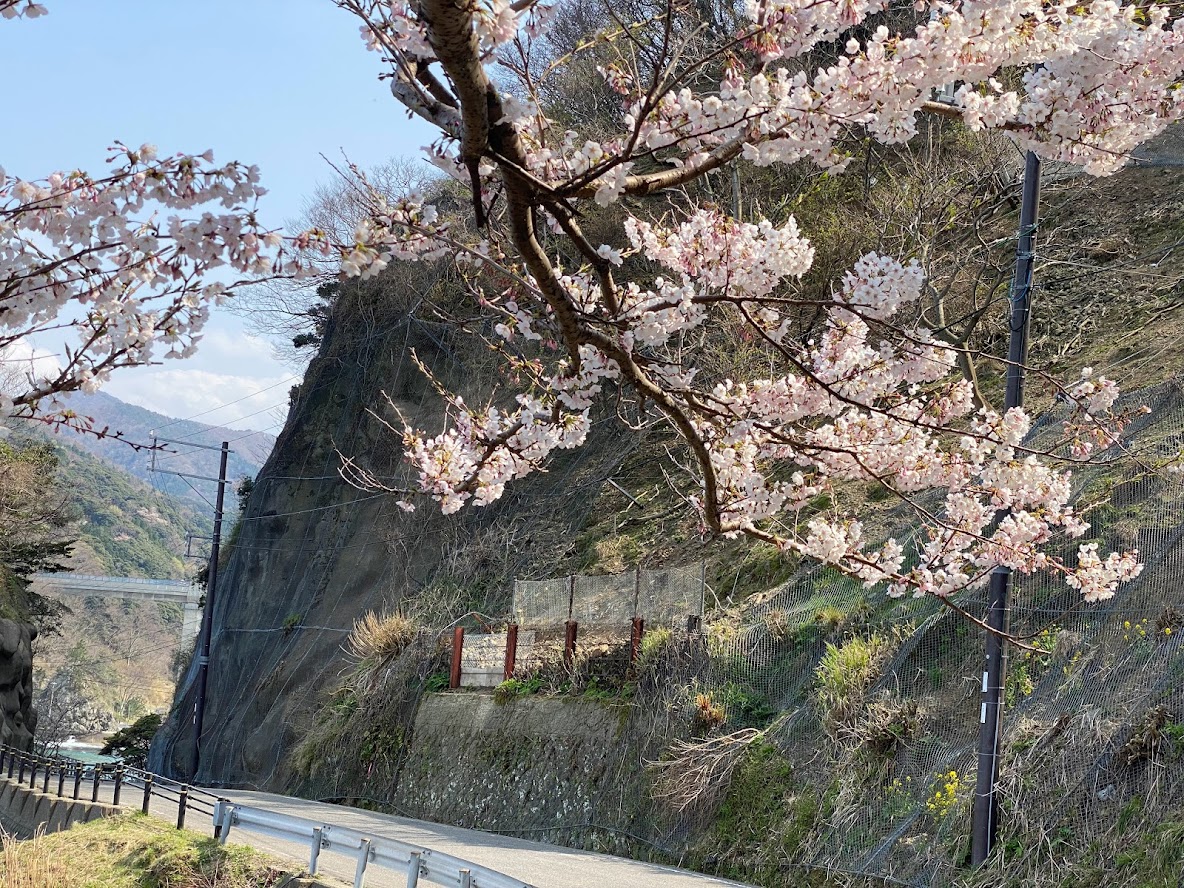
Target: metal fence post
(77, 780)
(48, 774)
(33, 774)
(511, 651)
(94, 791)
(571, 596)
(570, 631)
(315, 851)
(363, 860)
(636, 632)
(61, 779)
(636, 589)
(118, 784)
(182, 804)
(413, 870)
(466, 879)
(12, 766)
(458, 644)
(147, 793)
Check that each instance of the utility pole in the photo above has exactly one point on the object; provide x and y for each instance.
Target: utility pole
(207, 616)
(985, 813)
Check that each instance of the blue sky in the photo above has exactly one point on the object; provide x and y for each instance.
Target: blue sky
(272, 82)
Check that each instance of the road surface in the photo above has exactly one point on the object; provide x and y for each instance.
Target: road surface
(537, 863)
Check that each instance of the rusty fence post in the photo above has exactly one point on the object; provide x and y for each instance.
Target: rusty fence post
(636, 632)
(458, 645)
(570, 631)
(511, 651)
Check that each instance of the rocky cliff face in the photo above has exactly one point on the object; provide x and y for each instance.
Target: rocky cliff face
(18, 720)
(313, 554)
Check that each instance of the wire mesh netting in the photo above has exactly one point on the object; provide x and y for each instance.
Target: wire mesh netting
(664, 597)
(1094, 712)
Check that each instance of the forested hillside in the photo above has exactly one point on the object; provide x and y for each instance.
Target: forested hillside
(135, 424)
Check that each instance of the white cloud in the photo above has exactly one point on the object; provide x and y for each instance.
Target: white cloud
(233, 381)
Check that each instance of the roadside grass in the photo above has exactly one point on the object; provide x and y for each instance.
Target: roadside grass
(136, 852)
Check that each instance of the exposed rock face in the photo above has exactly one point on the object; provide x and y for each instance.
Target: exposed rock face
(18, 720)
(313, 553)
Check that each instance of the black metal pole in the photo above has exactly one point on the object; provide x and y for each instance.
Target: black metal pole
(986, 806)
(207, 616)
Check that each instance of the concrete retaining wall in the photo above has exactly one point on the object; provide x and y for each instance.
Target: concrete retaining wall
(23, 810)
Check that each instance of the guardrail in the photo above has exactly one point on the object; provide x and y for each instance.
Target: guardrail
(416, 862)
(71, 776)
(80, 781)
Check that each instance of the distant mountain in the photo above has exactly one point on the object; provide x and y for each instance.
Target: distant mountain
(250, 449)
(126, 528)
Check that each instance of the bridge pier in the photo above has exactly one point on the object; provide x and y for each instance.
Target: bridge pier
(191, 617)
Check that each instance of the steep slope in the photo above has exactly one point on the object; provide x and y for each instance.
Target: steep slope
(312, 553)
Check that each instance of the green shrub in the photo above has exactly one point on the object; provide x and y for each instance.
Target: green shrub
(844, 674)
(512, 688)
(653, 643)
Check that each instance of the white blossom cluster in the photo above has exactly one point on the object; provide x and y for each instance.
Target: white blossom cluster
(114, 259)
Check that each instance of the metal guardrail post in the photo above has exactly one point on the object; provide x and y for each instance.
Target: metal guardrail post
(225, 821)
(118, 784)
(94, 789)
(147, 793)
(314, 853)
(182, 804)
(413, 870)
(11, 765)
(61, 780)
(77, 781)
(363, 860)
(48, 774)
(33, 775)
(466, 879)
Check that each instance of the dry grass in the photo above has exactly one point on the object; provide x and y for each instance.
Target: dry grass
(31, 865)
(134, 852)
(698, 772)
(379, 638)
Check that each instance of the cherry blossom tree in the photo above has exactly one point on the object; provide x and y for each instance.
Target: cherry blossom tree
(120, 267)
(873, 396)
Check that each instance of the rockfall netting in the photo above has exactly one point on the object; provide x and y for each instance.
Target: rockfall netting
(1093, 737)
(664, 597)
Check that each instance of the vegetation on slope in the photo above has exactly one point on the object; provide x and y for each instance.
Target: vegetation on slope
(136, 852)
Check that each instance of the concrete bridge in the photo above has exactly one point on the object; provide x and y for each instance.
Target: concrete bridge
(183, 592)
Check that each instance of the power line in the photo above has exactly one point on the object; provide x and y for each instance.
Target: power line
(227, 404)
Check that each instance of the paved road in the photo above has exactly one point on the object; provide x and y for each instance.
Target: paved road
(542, 865)
(537, 863)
